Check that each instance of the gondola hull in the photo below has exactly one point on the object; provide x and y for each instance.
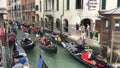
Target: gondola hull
(19, 53)
(29, 46)
(78, 57)
(52, 49)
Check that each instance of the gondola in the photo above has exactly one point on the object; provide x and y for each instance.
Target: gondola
(27, 44)
(19, 57)
(41, 63)
(56, 38)
(83, 57)
(52, 49)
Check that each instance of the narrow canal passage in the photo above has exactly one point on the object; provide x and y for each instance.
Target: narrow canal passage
(60, 60)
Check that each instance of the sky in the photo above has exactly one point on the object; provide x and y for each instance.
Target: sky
(3, 3)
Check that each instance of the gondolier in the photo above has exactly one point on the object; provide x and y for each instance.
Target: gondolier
(25, 35)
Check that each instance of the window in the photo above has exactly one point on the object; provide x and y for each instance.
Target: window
(57, 5)
(79, 4)
(117, 25)
(103, 4)
(106, 25)
(118, 3)
(33, 18)
(23, 18)
(46, 4)
(57, 23)
(68, 4)
(36, 7)
(40, 7)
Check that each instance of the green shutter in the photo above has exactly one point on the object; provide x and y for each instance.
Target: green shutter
(57, 5)
(103, 4)
(118, 3)
(68, 3)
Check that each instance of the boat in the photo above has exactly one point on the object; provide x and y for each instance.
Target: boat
(27, 44)
(2, 35)
(43, 46)
(11, 38)
(56, 38)
(1, 56)
(41, 63)
(83, 56)
(19, 57)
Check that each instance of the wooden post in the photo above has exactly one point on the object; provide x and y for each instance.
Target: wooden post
(111, 46)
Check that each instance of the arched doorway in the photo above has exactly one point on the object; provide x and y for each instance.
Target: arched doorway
(66, 25)
(58, 25)
(42, 23)
(37, 18)
(51, 23)
(46, 23)
(86, 22)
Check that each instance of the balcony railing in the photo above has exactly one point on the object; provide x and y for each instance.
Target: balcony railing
(49, 12)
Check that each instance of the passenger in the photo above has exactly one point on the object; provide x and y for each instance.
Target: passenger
(48, 43)
(15, 63)
(22, 60)
(15, 54)
(42, 41)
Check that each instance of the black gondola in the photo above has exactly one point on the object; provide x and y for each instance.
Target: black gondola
(52, 49)
(71, 49)
(19, 57)
(27, 44)
(41, 63)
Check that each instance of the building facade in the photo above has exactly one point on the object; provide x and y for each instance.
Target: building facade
(28, 11)
(109, 24)
(3, 10)
(64, 14)
(15, 10)
(108, 5)
(9, 9)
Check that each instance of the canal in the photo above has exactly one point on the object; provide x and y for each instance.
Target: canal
(60, 60)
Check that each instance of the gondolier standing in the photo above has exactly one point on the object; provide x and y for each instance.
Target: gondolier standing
(80, 45)
(25, 36)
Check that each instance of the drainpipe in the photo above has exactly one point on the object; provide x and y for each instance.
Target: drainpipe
(62, 16)
(43, 14)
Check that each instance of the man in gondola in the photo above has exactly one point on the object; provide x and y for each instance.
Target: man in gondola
(48, 43)
(25, 36)
(80, 45)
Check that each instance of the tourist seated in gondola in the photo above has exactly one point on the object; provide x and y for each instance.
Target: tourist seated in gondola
(18, 62)
(80, 45)
(93, 55)
(42, 40)
(48, 43)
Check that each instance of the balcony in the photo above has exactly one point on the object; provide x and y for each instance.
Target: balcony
(49, 12)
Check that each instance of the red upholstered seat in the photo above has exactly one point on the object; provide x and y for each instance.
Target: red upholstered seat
(84, 56)
(34, 29)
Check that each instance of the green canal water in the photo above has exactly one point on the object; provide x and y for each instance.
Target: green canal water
(60, 60)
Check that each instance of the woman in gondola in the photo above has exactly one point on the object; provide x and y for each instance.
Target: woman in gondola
(48, 43)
